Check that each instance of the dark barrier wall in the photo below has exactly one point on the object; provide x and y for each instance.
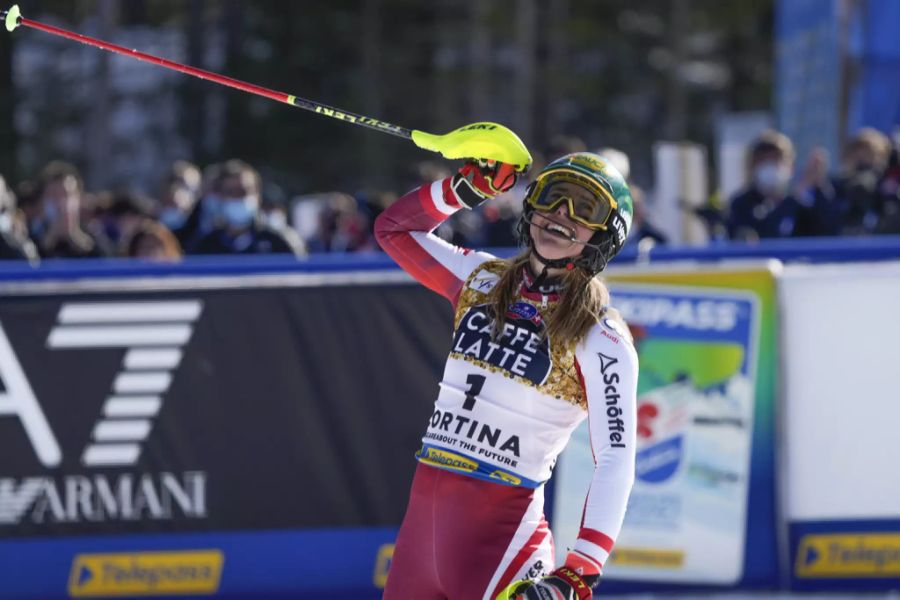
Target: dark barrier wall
(244, 428)
(220, 410)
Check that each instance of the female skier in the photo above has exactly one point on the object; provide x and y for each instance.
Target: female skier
(536, 348)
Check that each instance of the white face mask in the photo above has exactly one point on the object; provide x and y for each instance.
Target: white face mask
(772, 177)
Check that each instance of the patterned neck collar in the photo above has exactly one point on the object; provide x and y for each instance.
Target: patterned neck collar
(549, 287)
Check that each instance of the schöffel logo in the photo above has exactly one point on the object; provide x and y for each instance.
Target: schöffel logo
(191, 572)
(613, 411)
(849, 555)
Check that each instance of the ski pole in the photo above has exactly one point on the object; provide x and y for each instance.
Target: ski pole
(478, 140)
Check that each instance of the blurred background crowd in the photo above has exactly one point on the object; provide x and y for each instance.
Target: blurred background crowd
(225, 208)
(109, 157)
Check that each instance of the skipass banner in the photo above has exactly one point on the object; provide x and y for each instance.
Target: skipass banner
(702, 508)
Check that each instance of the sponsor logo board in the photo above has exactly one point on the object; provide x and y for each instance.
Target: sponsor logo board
(648, 557)
(383, 565)
(152, 335)
(848, 555)
(687, 512)
(449, 460)
(191, 572)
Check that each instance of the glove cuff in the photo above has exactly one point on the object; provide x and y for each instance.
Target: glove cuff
(466, 192)
(582, 589)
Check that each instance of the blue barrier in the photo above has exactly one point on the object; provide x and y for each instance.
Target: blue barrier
(812, 250)
(335, 564)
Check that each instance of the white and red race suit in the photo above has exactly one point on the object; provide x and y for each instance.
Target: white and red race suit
(507, 407)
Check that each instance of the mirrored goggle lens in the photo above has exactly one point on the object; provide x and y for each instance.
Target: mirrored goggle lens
(591, 212)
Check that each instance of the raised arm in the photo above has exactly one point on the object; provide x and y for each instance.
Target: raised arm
(405, 229)
(608, 365)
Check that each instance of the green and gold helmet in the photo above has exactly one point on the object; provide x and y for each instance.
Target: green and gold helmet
(609, 216)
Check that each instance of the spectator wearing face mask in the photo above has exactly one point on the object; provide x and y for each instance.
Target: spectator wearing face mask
(858, 187)
(764, 209)
(240, 231)
(191, 208)
(56, 227)
(179, 202)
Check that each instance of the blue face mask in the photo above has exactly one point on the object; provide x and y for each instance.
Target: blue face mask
(172, 218)
(238, 213)
(212, 206)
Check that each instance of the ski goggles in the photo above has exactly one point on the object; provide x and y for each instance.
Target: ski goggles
(593, 214)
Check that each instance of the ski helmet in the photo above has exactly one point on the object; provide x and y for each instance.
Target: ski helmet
(610, 218)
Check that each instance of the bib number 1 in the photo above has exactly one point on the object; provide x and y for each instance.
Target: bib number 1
(476, 382)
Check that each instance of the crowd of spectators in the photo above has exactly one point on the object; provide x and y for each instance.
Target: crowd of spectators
(226, 209)
(221, 211)
(863, 198)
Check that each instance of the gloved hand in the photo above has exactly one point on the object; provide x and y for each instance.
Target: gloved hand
(480, 180)
(561, 584)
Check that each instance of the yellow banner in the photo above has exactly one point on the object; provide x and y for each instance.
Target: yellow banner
(143, 573)
(849, 555)
(383, 565)
(647, 557)
(449, 460)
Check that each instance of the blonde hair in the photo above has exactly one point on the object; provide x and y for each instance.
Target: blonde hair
(770, 141)
(872, 140)
(584, 300)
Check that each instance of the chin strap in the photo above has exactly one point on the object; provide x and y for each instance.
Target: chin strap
(593, 264)
(556, 263)
(567, 263)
